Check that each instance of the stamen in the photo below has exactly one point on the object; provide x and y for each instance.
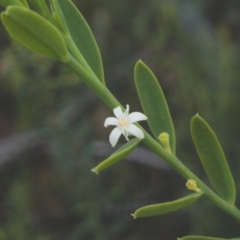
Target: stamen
(122, 122)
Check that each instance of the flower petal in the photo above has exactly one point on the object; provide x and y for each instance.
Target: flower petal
(118, 112)
(135, 131)
(136, 116)
(114, 136)
(111, 121)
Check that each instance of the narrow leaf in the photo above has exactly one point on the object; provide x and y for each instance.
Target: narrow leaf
(25, 3)
(205, 238)
(60, 16)
(37, 4)
(121, 153)
(83, 37)
(162, 208)
(213, 159)
(154, 103)
(34, 32)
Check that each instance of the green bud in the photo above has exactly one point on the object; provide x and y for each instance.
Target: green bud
(164, 139)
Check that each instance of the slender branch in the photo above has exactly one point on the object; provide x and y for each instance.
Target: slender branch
(174, 162)
(94, 83)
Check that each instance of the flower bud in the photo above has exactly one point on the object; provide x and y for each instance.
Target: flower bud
(164, 139)
(192, 185)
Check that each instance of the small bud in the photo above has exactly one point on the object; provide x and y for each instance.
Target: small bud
(192, 185)
(164, 139)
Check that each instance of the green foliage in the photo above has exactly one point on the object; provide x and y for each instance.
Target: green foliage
(163, 40)
(122, 152)
(163, 208)
(213, 159)
(82, 36)
(154, 103)
(41, 7)
(60, 19)
(34, 32)
(25, 3)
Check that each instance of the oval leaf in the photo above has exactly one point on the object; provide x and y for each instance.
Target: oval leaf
(162, 208)
(34, 32)
(205, 238)
(118, 155)
(83, 37)
(154, 103)
(213, 159)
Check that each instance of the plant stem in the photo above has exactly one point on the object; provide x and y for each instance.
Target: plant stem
(174, 162)
(94, 84)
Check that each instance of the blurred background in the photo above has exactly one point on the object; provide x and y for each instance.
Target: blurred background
(52, 134)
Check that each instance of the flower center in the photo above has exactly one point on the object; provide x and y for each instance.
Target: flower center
(122, 122)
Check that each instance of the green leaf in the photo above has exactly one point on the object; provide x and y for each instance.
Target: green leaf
(83, 37)
(59, 16)
(25, 3)
(163, 208)
(213, 159)
(42, 7)
(34, 32)
(37, 4)
(154, 103)
(7, 3)
(121, 153)
(205, 238)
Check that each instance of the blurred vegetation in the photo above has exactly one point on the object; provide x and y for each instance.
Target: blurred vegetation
(193, 48)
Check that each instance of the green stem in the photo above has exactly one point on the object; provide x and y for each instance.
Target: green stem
(174, 162)
(94, 83)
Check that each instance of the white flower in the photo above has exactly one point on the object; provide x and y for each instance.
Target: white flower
(124, 124)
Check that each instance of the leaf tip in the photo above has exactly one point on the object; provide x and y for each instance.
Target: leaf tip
(195, 117)
(94, 170)
(139, 63)
(134, 215)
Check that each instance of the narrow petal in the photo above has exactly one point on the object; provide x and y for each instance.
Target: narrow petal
(114, 136)
(135, 131)
(111, 121)
(136, 116)
(118, 112)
